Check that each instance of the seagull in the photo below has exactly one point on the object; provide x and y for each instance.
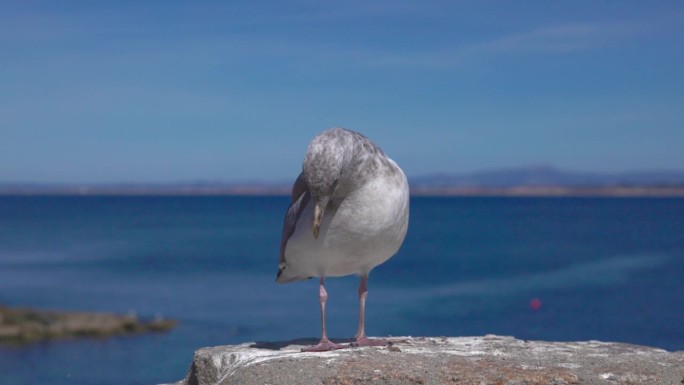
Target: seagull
(348, 213)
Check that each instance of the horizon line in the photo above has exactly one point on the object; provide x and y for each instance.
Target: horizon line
(274, 181)
(522, 191)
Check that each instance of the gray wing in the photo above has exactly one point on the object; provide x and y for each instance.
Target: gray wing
(300, 197)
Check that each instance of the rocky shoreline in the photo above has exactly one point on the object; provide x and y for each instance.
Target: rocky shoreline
(26, 325)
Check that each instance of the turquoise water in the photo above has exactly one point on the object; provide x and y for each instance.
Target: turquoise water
(606, 269)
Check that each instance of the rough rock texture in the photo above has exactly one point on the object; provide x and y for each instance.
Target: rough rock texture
(464, 360)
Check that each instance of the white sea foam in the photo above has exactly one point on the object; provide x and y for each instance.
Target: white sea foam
(603, 272)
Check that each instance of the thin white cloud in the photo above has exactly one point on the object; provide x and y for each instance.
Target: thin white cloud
(115, 33)
(562, 38)
(553, 39)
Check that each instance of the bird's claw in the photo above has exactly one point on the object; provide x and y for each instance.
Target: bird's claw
(323, 346)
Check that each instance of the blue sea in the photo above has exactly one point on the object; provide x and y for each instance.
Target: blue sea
(608, 269)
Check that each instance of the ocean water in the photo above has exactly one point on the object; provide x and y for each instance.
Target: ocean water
(607, 269)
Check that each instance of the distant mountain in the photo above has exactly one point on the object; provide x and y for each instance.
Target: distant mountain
(536, 180)
(549, 176)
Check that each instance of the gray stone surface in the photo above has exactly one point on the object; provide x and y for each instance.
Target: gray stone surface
(484, 360)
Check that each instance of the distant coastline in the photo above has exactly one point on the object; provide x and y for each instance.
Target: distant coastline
(555, 191)
(531, 181)
(455, 191)
(131, 189)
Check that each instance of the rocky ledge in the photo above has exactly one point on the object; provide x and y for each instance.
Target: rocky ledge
(24, 325)
(463, 360)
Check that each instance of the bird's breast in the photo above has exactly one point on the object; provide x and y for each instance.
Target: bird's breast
(358, 232)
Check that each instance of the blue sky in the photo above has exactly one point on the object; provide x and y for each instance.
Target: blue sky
(165, 91)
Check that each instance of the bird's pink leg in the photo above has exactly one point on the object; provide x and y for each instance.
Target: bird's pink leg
(325, 344)
(361, 339)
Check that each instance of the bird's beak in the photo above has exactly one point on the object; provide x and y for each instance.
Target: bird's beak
(319, 210)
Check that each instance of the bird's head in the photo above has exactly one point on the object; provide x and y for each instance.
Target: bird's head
(323, 168)
(321, 186)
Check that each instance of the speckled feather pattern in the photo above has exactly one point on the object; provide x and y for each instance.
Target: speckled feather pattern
(366, 216)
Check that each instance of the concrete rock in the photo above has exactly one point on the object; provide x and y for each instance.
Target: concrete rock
(484, 360)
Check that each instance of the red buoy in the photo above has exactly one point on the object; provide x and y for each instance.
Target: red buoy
(535, 304)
